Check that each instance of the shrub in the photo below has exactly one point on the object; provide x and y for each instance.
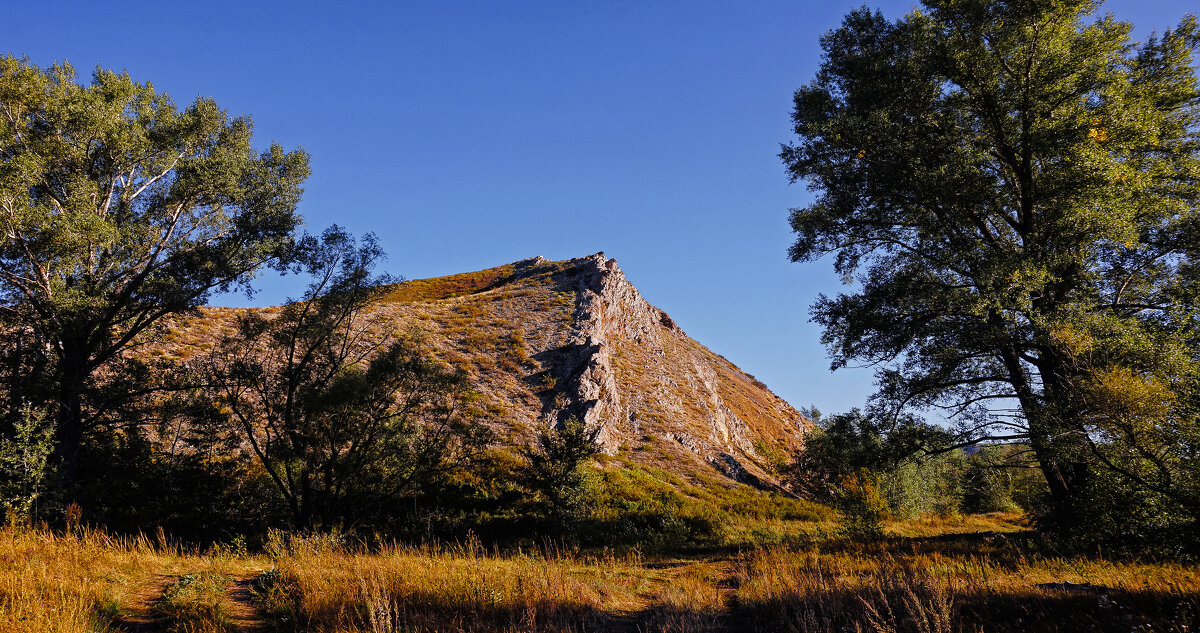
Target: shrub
(861, 507)
(24, 465)
(555, 475)
(926, 486)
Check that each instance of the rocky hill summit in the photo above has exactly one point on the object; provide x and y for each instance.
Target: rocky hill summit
(547, 340)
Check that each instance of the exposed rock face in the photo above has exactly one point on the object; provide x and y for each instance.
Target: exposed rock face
(623, 348)
(608, 309)
(548, 340)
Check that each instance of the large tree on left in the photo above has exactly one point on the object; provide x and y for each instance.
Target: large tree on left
(117, 210)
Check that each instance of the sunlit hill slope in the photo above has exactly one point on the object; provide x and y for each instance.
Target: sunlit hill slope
(548, 340)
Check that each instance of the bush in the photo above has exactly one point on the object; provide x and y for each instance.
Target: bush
(24, 465)
(986, 488)
(558, 485)
(644, 508)
(131, 486)
(861, 507)
(1118, 518)
(927, 486)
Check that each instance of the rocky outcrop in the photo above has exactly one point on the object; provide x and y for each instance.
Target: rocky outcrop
(606, 306)
(665, 377)
(544, 341)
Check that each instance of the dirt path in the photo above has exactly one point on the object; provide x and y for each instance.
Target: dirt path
(137, 614)
(691, 595)
(683, 595)
(138, 611)
(239, 601)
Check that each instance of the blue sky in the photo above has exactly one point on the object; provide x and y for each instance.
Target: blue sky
(472, 134)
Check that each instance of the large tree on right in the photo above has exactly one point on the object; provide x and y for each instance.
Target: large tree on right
(1012, 191)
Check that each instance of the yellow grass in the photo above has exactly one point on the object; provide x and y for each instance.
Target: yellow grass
(460, 588)
(928, 526)
(80, 583)
(989, 583)
(993, 579)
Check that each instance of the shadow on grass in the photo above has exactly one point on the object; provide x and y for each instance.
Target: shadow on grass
(909, 609)
(421, 611)
(894, 608)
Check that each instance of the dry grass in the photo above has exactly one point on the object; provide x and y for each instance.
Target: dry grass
(84, 582)
(940, 584)
(447, 287)
(975, 584)
(931, 526)
(196, 603)
(935, 583)
(459, 588)
(50, 583)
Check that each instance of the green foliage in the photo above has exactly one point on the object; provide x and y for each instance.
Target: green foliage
(861, 506)
(746, 503)
(1000, 478)
(120, 209)
(485, 497)
(836, 448)
(1014, 191)
(344, 423)
(925, 486)
(776, 459)
(625, 506)
(844, 444)
(200, 493)
(555, 474)
(24, 465)
(638, 507)
(913, 483)
(1122, 518)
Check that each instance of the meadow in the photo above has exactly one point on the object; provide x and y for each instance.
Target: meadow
(972, 573)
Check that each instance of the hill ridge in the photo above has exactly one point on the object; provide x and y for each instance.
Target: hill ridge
(612, 316)
(548, 340)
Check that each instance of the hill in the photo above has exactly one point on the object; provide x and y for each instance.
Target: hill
(548, 340)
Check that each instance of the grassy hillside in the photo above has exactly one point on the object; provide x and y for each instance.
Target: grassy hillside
(546, 340)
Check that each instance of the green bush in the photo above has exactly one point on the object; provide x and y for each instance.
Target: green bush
(861, 507)
(928, 486)
(24, 465)
(638, 507)
(559, 488)
(1118, 518)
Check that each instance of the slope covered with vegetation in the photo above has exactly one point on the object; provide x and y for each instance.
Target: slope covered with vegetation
(543, 341)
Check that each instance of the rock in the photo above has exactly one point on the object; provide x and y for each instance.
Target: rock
(544, 341)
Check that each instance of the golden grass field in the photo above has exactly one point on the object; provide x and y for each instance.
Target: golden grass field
(968, 574)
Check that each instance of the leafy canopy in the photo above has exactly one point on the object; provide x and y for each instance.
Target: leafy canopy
(1013, 192)
(343, 415)
(118, 208)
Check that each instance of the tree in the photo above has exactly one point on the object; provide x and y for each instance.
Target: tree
(1014, 190)
(117, 210)
(344, 418)
(555, 470)
(853, 449)
(838, 448)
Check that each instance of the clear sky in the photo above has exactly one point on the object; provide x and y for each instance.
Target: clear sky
(472, 134)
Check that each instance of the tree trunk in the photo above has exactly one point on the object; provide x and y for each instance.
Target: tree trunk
(69, 433)
(1059, 478)
(1048, 436)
